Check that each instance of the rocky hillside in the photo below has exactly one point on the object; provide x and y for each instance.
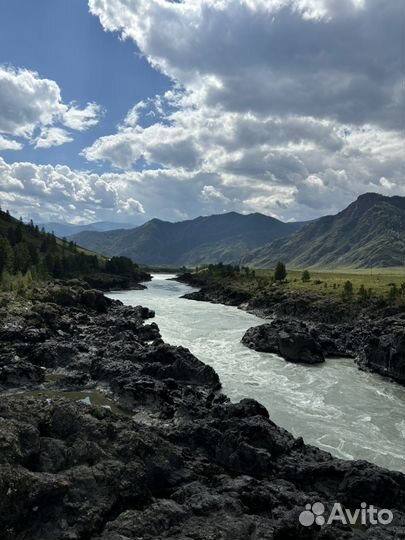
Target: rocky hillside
(368, 233)
(225, 237)
(161, 453)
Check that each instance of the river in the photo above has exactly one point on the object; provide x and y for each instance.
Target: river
(335, 406)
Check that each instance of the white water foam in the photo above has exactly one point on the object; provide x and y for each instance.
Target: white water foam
(350, 413)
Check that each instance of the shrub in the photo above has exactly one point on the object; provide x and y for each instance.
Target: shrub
(306, 276)
(393, 294)
(347, 293)
(363, 295)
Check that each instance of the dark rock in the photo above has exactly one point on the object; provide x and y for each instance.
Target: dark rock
(290, 339)
(66, 296)
(218, 295)
(149, 332)
(76, 380)
(188, 465)
(243, 409)
(200, 295)
(378, 345)
(300, 347)
(16, 372)
(95, 300)
(384, 350)
(53, 353)
(168, 362)
(263, 338)
(108, 282)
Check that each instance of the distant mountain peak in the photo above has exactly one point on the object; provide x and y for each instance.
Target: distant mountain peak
(68, 229)
(156, 220)
(368, 233)
(221, 237)
(371, 196)
(367, 201)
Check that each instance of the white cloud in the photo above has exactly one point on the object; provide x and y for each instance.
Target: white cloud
(322, 58)
(52, 136)
(288, 107)
(8, 144)
(29, 104)
(132, 117)
(386, 183)
(292, 107)
(324, 186)
(82, 119)
(210, 192)
(294, 167)
(166, 145)
(133, 206)
(54, 189)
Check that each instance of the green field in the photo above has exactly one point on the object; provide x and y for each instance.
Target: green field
(378, 280)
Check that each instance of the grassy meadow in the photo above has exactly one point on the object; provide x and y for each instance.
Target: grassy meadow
(332, 281)
(378, 282)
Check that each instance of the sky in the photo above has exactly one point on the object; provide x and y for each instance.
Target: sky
(125, 110)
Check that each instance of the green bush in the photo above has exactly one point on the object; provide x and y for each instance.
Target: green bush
(347, 293)
(306, 276)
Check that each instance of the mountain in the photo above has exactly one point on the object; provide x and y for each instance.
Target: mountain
(224, 237)
(368, 233)
(68, 229)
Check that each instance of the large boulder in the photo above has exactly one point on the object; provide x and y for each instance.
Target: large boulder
(68, 296)
(169, 362)
(96, 300)
(263, 338)
(219, 295)
(293, 340)
(300, 347)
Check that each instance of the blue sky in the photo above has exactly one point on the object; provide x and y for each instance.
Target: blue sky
(125, 111)
(63, 42)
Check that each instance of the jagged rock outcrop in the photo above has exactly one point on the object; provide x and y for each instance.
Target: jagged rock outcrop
(292, 340)
(376, 345)
(176, 459)
(384, 349)
(372, 334)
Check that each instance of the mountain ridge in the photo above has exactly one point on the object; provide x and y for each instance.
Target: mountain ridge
(368, 233)
(220, 237)
(62, 229)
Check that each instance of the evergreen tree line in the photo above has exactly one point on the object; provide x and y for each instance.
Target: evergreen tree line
(24, 248)
(227, 270)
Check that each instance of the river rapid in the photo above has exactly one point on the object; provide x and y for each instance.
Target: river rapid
(335, 406)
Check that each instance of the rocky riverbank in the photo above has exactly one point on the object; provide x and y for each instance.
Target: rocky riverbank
(174, 459)
(307, 327)
(107, 282)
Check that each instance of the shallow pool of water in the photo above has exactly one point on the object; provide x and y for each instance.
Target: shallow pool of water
(93, 398)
